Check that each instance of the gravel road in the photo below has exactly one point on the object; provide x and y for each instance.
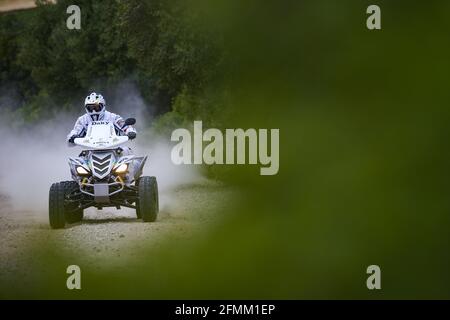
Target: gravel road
(108, 238)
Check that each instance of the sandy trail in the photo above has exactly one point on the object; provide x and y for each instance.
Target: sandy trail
(108, 238)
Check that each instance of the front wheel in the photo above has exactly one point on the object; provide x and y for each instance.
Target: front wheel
(56, 208)
(60, 212)
(148, 204)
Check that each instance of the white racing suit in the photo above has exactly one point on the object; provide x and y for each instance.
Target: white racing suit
(83, 122)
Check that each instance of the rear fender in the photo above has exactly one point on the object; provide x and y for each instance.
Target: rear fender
(140, 168)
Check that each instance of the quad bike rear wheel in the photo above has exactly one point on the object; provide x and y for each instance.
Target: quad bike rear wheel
(59, 211)
(147, 207)
(72, 213)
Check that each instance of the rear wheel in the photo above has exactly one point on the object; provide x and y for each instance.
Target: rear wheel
(72, 213)
(76, 216)
(148, 205)
(138, 210)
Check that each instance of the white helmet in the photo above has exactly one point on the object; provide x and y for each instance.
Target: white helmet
(95, 106)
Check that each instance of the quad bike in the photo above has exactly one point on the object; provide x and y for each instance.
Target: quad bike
(104, 175)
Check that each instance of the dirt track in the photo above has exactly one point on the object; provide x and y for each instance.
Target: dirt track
(109, 238)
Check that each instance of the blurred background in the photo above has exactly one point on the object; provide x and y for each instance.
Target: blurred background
(363, 118)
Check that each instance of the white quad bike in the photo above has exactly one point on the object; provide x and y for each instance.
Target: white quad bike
(103, 176)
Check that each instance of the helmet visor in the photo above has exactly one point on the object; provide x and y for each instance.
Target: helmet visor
(94, 107)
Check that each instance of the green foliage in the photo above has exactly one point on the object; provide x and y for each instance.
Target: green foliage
(161, 46)
(66, 64)
(169, 44)
(12, 73)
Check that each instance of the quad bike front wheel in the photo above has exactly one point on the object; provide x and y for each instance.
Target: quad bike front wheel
(147, 206)
(59, 211)
(56, 206)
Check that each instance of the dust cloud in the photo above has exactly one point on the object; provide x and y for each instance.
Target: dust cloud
(35, 156)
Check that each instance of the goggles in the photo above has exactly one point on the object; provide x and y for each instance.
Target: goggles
(94, 107)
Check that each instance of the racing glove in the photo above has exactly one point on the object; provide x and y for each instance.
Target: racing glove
(72, 139)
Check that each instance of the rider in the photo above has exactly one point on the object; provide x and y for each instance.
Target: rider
(96, 111)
